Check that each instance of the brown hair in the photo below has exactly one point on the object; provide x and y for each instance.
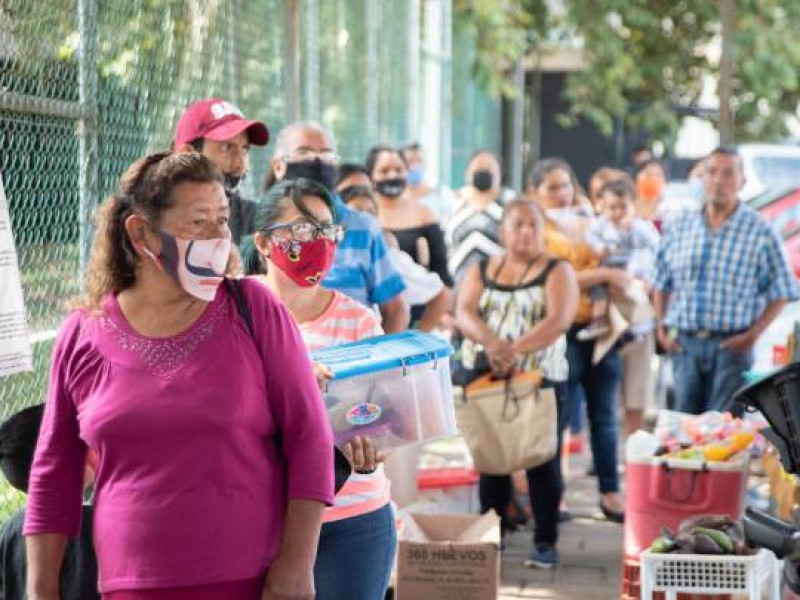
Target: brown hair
(602, 176)
(523, 201)
(543, 168)
(621, 188)
(145, 189)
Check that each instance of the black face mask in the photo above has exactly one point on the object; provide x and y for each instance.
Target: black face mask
(482, 180)
(354, 191)
(316, 170)
(391, 188)
(231, 182)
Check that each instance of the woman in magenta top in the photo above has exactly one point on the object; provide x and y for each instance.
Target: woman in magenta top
(214, 464)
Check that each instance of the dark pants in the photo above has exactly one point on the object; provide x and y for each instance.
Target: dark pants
(598, 384)
(545, 483)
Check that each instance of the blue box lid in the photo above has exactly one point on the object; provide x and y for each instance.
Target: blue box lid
(383, 353)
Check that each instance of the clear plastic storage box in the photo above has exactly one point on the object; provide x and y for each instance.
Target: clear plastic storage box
(395, 389)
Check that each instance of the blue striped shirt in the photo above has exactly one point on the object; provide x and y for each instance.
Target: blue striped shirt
(723, 280)
(363, 268)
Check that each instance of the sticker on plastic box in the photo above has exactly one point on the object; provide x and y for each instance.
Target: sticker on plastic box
(364, 414)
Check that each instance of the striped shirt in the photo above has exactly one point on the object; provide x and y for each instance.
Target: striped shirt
(363, 268)
(723, 280)
(344, 321)
(473, 235)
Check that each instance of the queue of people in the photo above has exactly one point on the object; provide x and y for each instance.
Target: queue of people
(190, 386)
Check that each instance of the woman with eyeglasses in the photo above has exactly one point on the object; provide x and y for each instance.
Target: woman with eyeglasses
(292, 250)
(215, 452)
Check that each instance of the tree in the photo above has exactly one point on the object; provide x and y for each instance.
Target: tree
(648, 59)
(504, 32)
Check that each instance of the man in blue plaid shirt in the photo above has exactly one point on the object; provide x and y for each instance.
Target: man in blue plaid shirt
(722, 278)
(363, 268)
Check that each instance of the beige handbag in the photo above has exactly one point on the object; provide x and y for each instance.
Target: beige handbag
(508, 424)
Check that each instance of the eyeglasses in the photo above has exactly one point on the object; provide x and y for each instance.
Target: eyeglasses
(305, 231)
(305, 154)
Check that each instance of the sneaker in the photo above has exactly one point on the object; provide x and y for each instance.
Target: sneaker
(542, 557)
(594, 330)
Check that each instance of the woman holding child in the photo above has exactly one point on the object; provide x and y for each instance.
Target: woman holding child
(555, 187)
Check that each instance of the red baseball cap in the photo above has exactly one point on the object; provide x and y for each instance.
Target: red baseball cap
(218, 120)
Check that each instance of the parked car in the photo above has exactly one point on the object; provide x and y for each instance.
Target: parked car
(782, 208)
(769, 167)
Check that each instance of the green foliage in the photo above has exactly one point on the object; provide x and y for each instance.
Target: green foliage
(504, 31)
(767, 59)
(648, 58)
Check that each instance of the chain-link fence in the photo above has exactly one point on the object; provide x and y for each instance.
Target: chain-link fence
(86, 87)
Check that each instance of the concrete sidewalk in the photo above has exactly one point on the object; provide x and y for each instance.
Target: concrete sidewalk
(590, 550)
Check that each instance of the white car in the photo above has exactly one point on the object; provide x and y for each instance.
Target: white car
(769, 167)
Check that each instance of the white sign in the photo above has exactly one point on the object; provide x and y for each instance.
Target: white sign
(15, 347)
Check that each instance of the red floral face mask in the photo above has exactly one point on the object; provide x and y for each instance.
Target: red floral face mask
(305, 263)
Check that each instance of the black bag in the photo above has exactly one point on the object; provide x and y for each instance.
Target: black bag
(341, 466)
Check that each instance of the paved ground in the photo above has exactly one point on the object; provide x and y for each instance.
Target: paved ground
(590, 549)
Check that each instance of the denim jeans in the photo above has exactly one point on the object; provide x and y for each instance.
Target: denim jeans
(598, 384)
(545, 483)
(706, 376)
(355, 557)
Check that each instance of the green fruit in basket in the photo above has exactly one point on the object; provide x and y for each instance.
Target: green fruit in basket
(709, 521)
(722, 540)
(705, 544)
(662, 545)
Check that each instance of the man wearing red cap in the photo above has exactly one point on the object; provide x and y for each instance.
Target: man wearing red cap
(219, 130)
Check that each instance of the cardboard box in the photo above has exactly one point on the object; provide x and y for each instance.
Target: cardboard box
(449, 557)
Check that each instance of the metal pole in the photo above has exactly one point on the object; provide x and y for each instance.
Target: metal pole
(414, 80)
(513, 123)
(88, 90)
(727, 10)
(445, 123)
(372, 16)
(233, 53)
(312, 81)
(291, 61)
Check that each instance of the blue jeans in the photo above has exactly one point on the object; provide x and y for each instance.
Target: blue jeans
(599, 386)
(706, 376)
(545, 483)
(355, 557)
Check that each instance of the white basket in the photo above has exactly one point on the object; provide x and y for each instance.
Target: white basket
(710, 574)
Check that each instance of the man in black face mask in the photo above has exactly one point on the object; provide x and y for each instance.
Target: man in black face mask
(363, 268)
(219, 130)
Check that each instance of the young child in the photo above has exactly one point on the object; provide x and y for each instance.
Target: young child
(78, 581)
(623, 242)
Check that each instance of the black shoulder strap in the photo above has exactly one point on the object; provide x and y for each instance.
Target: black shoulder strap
(341, 465)
(483, 266)
(235, 288)
(551, 264)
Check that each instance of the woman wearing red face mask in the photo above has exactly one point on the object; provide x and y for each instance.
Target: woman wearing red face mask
(293, 250)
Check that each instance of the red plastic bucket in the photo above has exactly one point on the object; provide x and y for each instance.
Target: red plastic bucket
(662, 493)
(447, 477)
